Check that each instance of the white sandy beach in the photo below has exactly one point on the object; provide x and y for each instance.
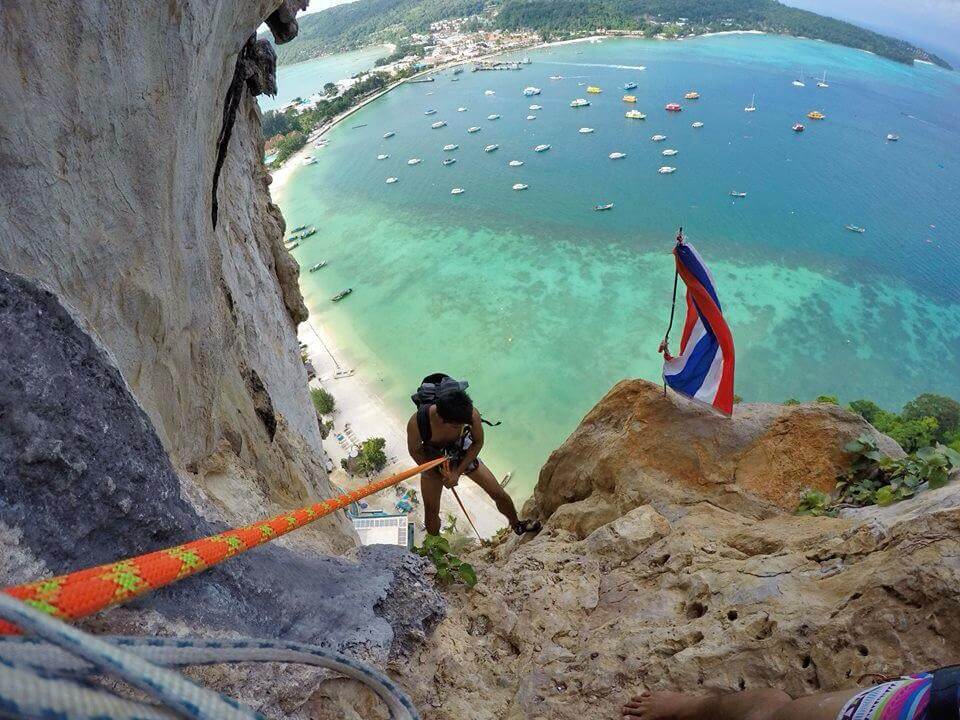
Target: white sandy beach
(361, 414)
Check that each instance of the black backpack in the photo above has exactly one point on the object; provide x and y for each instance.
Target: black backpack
(434, 385)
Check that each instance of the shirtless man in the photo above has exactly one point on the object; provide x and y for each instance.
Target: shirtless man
(451, 426)
(906, 698)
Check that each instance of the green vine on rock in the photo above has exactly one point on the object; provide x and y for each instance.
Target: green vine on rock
(450, 568)
(874, 478)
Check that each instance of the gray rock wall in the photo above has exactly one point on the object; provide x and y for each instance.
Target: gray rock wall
(108, 143)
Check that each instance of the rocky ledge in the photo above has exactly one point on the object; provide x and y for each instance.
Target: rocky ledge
(671, 558)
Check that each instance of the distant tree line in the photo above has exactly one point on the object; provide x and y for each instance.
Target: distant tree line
(374, 21)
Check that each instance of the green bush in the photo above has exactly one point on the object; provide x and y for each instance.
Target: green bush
(946, 411)
(791, 401)
(323, 401)
(371, 458)
(450, 568)
(828, 399)
(867, 409)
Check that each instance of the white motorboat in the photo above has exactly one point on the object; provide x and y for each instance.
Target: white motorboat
(666, 170)
(541, 148)
(449, 161)
(438, 124)
(531, 91)
(493, 117)
(536, 107)
(892, 138)
(515, 163)
(388, 135)
(489, 92)
(430, 112)
(450, 148)
(457, 191)
(473, 129)
(585, 130)
(461, 109)
(491, 148)
(579, 103)
(382, 156)
(391, 180)
(617, 155)
(520, 186)
(531, 117)
(669, 152)
(697, 124)
(658, 138)
(414, 161)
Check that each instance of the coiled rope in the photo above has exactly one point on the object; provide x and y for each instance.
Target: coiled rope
(45, 676)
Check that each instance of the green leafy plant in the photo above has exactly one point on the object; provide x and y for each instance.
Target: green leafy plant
(874, 478)
(371, 457)
(450, 568)
(828, 399)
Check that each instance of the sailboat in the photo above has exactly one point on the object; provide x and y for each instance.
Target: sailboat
(752, 107)
(799, 83)
(822, 82)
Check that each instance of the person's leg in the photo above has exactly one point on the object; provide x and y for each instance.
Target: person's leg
(744, 705)
(767, 704)
(489, 484)
(431, 487)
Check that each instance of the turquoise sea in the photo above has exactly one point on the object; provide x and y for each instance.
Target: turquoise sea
(307, 77)
(544, 304)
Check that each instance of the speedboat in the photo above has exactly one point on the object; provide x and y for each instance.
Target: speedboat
(450, 147)
(815, 115)
(489, 92)
(298, 228)
(541, 148)
(536, 107)
(391, 180)
(388, 135)
(531, 91)
(617, 155)
(634, 115)
(752, 107)
(669, 152)
(449, 161)
(666, 170)
(601, 208)
(457, 191)
(515, 163)
(491, 148)
(672, 107)
(658, 138)
(892, 138)
(629, 98)
(461, 109)
(585, 130)
(856, 228)
(317, 266)
(556, 77)
(414, 161)
(438, 124)
(531, 117)
(737, 193)
(579, 103)
(493, 117)
(697, 124)
(594, 90)
(304, 234)
(473, 129)
(798, 127)
(692, 95)
(430, 112)
(520, 186)
(382, 156)
(309, 159)
(629, 85)
(341, 295)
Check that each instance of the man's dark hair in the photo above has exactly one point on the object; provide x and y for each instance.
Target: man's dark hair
(455, 406)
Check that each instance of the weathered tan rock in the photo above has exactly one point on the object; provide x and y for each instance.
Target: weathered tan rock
(702, 581)
(640, 446)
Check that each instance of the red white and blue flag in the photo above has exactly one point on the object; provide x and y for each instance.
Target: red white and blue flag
(704, 369)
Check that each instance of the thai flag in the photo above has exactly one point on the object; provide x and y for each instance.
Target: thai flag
(704, 369)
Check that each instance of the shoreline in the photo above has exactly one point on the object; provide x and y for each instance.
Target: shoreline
(362, 412)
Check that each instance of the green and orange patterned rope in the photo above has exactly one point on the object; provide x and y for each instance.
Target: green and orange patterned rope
(82, 593)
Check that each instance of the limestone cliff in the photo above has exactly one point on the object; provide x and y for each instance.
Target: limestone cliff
(113, 125)
(670, 559)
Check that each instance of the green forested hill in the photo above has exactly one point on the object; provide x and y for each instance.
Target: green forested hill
(366, 21)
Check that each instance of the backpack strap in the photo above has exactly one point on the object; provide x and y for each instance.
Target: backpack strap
(423, 423)
(943, 694)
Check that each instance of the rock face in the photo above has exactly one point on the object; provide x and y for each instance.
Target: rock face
(85, 480)
(111, 133)
(673, 566)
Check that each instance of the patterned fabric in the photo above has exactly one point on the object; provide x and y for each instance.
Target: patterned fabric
(903, 699)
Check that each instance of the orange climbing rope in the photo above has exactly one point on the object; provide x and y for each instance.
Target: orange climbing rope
(78, 594)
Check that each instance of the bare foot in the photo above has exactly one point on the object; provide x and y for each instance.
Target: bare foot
(665, 706)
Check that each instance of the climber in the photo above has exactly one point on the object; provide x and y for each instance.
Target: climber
(925, 696)
(451, 426)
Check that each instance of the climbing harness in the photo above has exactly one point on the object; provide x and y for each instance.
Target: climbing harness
(82, 593)
(46, 674)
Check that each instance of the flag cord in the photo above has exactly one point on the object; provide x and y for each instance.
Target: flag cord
(673, 307)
